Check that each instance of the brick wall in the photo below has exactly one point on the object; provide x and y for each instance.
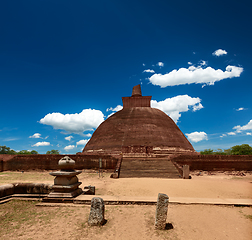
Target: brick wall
(50, 162)
(215, 162)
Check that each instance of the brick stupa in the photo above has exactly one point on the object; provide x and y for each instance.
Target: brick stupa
(138, 131)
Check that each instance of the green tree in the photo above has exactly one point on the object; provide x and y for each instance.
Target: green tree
(6, 150)
(34, 152)
(227, 151)
(207, 152)
(220, 152)
(243, 149)
(53, 152)
(27, 152)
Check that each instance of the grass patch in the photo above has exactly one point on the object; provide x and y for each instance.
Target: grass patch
(248, 216)
(17, 213)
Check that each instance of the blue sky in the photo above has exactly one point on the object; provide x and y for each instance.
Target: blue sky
(64, 66)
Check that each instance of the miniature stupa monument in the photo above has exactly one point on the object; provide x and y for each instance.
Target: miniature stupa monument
(66, 183)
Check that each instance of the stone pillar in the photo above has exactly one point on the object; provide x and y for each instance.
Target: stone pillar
(186, 171)
(96, 216)
(161, 211)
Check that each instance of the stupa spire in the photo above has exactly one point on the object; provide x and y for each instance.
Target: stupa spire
(136, 99)
(136, 91)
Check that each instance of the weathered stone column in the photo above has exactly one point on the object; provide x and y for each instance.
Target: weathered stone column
(96, 216)
(186, 171)
(161, 211)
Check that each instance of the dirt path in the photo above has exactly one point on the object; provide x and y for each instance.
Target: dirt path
(23, 220)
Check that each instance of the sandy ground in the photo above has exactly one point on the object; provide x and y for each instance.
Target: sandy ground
(135, 222)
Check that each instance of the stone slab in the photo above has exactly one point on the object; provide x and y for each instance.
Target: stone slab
(122, 200)
(66, 173)
(72, 194)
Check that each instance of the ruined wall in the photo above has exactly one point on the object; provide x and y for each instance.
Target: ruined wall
(50, 162)
(215, 162)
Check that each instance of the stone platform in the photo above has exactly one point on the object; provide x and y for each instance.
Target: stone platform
(130, 200)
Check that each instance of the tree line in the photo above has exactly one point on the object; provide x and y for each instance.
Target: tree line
(243, 149)
(7, 150)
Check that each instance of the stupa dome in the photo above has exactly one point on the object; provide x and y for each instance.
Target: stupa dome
(138, 130)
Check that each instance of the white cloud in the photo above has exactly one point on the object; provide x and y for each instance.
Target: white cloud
(197, 75)
(202, 63)
(249, 133)
(9, 139)
(223, 135)
(244, 128)
(82, 142)
(88, 119)
(219, 52)
(36, 135)
(189, 63)
(197, 136)
(40, 144)
(174, 106)
(69, 138)
(160, 64)
(88, 135)
(69, 147)
(149, 71)
(240, 109)
(116, 109)
(231, 133)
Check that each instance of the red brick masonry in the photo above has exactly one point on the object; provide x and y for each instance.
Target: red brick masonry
(215, 162)
(50, 162)
(85, 161)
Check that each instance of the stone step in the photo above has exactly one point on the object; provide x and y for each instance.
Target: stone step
(159, 168)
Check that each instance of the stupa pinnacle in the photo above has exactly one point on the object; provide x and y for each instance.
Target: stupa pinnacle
(138, 131)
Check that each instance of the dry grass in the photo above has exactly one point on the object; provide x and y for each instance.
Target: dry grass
(24, 220)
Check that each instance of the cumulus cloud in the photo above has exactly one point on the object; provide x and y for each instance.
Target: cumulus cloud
(88, 119)
(36, 135)
(240, 109)
(69, 138)
(246, 127)
(231, 133)
(219, 52)
(197, 75)
(149, 71)
(116, 109)
(160, 64)
(249, 134)
(174, 106)
(197, 136)
(69, 147)
(82, 142)
(40, 144)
